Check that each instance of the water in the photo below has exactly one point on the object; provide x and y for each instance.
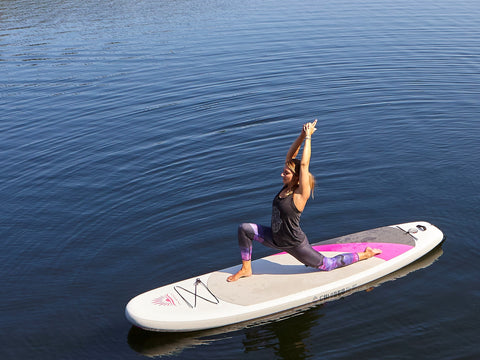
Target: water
(136, 135)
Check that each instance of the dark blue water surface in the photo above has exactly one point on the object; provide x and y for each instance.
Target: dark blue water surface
(136, 135)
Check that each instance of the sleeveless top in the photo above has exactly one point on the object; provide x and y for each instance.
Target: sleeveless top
(286, 231)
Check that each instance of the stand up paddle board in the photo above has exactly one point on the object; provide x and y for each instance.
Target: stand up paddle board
(279, 282)
(157, 344)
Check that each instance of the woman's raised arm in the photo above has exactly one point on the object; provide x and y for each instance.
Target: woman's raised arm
(304, 190)
(295, 147)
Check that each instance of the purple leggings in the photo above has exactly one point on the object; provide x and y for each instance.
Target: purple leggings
(248, 232)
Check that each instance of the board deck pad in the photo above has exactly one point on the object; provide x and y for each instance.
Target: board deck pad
(266, 284)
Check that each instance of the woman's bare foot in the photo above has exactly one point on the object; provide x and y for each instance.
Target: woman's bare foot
(368, 253)
(242, 273)
(245, 271)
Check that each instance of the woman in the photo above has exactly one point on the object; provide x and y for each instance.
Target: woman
(285, 233)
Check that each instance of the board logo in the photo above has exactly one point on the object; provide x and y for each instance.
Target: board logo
(164, 300)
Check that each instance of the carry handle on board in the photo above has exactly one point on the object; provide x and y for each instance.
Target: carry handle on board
(413, 230)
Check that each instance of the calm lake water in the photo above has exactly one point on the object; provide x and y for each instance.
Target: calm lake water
(136, 135)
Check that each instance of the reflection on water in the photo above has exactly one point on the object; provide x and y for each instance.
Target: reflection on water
(278, 336)
(275, 331)
(270, 332)
(161, 344)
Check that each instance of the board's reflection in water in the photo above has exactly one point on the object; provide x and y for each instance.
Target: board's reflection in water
(284, 333)
(287, 339)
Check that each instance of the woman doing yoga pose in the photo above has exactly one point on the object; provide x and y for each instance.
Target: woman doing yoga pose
(285, 233)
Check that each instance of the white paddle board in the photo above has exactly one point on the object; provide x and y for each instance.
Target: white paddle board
(279, 282)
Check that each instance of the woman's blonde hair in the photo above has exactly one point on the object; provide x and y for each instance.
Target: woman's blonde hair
(294, 166)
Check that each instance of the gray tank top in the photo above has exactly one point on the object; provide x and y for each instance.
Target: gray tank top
(286, 222)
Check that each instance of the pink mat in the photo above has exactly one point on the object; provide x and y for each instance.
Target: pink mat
(389, 250)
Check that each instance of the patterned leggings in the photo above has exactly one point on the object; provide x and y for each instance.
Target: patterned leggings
(303, 252)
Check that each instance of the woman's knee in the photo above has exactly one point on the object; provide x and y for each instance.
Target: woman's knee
(244, 229)
(307, 255)
(245, 234)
